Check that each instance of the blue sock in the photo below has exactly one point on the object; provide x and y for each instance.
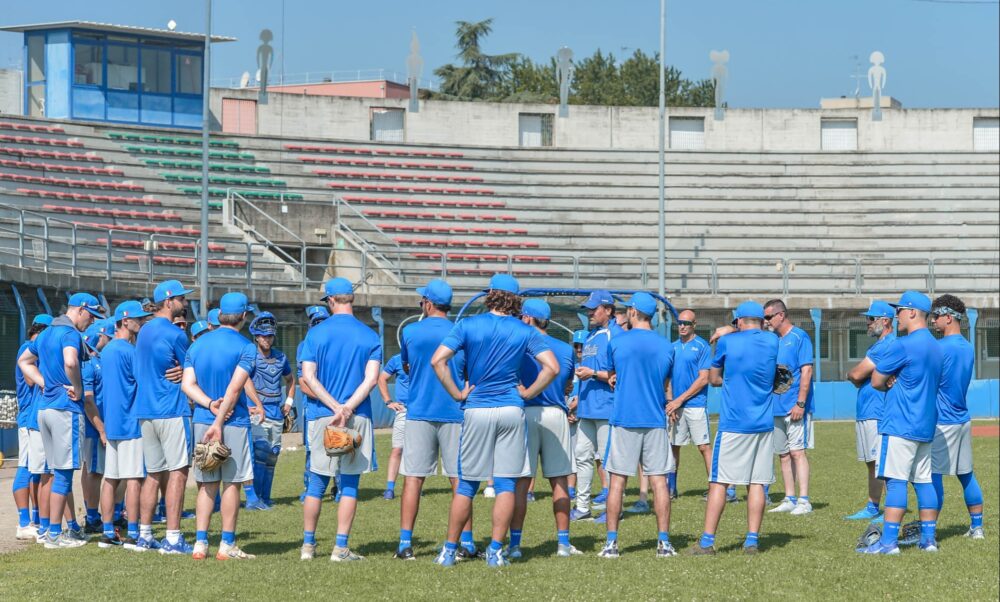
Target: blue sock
(109, 529)
(890, 534)
(309, 537)
(515, 537)
(93, 515)
(72, 525)
(467, 542)
(133, 530)
(229, 538)
(663, 536)
(34, 516)
(55, 530)
(767, 492)
(23, 517)
(450, 547)
(251, 494)
(43, 525)
(672, 482)
(405, 539)
(390, 486)
(572, 493)
(342, 540)
(563, 536)
(612, 536)
(976, 519)
(707, 540)
(495, 546)
(872, 507)
(118, 510)
(751, 540)
(803, 498)
(201, 536)
(927, 531)
(604, 491)
(792, 498)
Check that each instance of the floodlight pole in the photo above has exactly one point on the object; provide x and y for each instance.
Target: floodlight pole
(661, 231)
(205, 100)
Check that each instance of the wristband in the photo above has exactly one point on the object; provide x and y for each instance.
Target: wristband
(289, 401)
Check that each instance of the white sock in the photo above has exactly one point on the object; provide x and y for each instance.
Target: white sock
(173, 537)
(146, 531)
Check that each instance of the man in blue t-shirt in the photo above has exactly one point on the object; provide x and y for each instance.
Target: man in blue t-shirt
(951, 452)
(639, 362)
(92, 448)
(493, 439)
(394, 369)
(910, 370)
(870, 403)
(744, 366)
(341, 358)
(216, 370)
(26, 480)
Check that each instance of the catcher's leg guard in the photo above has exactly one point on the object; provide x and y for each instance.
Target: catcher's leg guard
(261, 451)
(317, 485)
(268, 482)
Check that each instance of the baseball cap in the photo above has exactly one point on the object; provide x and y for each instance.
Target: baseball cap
(536, 308)
(233, 303)
(264, 324)
(748, 309)
(337, 286)
(95, 331)
(88, 302)
(504, 282)
(580, 336)
(317, 311)
(597, 299)
(129, 309)
(437, 291)
(45, 319)
(198, 328)
(914, 300)
(169, 289)
(643, 302)
(879, 309)
(213, 317)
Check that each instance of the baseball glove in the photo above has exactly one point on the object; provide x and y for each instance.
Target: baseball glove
(909, 534)
(872, 534)
(209, 456)
(339, 440)
(289, 422)
(782, 379)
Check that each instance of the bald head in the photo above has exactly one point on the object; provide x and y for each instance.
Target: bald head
(686, 322)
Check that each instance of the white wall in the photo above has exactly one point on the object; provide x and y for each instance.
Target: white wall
(11, 91)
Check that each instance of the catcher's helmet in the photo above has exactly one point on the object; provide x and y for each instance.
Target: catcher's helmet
(264, 325)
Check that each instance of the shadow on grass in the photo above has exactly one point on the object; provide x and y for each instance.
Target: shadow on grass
(952, 531)
(768, 541)
(584, 543)
(648, 544)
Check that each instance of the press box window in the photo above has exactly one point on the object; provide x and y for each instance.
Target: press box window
(387, 125)
(534, 129)
(839, 134)
(687, 133)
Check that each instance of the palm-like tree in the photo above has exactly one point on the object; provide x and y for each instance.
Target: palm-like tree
(481, 76)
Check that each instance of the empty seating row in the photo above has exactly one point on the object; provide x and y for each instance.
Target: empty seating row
(452, 229)
(376, 200)
(238, 167)
(444, 242)
(144, 229)
(370, 151)
(419, 189)
(31, 127)
(422, 215)
(232, 181)
(97, 198)
(47, 181)
(482, 257)
(184, 140)
(368, 175)
(41, 141)
(81, 169)
(160, 244)
(187, 152)
(113, 213)
(188, 261)
(391, 164)
(486, 273)
(268, 195)
(44, 154)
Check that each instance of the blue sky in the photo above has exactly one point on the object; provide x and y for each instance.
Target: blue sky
(784, 53)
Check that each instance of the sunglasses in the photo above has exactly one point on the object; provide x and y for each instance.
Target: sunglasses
(767, 318)
(685, 323)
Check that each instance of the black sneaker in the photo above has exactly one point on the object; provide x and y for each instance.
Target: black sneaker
(697, 550)
(93, 527)
(110, 542)
(404, 554)
(128, 543)
(464, 554)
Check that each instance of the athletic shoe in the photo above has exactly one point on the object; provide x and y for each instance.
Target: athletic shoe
(257, 505)
(865, 513)
(496, 559)
(27, 533)
(674, 495)
(610, 550)
(976, 533)
(513, 552)
(200, 550)
(786, 505)
(601, 498)
(877, 548)
(640, 507)
(232, 552)
(106, 542)
(697, 550)
(389, 494)
(41, 537)
(878, 520)
(489, 492)
(531, 496)
(565, 551)
(121, 524)
(665, 550)
(445, 558)
(464, 553)
(158, 519)
(929, 547)
(732, 499)
(750, 550)
(578, 515)
(63, 542)
(801, 507)
(93, 527)
(404, 554)
(181, 547)
(344, 555)
(187, 514)
(268, 503)
(602, 518)
(76, 534)
(144, 544)
(308, 551)
(128, 543)
(596, 508)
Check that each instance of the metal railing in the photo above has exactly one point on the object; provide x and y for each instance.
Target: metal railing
(323, 77)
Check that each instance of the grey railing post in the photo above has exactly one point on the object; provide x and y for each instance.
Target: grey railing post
(784, 276)
(73, 253)
(576, 271)
(149, 256)
(302, 266)
(249, 266)
(107, 249)
(857, 275)
(364, 268)
(930, 275)
(45, 237)
(20, 239)
(715, 276)
(444, 266)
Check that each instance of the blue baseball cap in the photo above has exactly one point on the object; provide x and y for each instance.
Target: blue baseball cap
(264, 325)
(643, 302)
(45, 319)
(748, 309)
(130, 309)
(317, 312)
(199, 328)
(437, 292)
(597, 299)
(536, 308)
(914, 300)
(504, 282)
(213, 317)
(95, 331)
(88, 302)
(168, 290)
(879, 309)
(337, 286)
(233, 303)
(580, 337)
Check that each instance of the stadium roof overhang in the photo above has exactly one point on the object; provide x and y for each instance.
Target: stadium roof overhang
(121, 29)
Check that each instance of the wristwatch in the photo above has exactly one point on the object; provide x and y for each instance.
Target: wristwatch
(800, 404)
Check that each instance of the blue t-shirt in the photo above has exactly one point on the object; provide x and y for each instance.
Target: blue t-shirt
(394, 368)
(27, 396)
(553, 395)
(160, 346)
(958, 362)
(749, 359)
(795, 350)
(595, 395)
(215, 356)
(118, 371)
(298, 368)
(48, 346)
(341, 347)
(911, 404)
(871, 401)
(92, 374)
(689, 359)
(267, 375)
(642, 361)
(494, 346)
(428, 399)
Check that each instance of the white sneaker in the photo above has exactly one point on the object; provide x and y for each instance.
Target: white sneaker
(786, 505)
(232, 552)
(308, 551)
(27, 533)
(489, 492)
(976, 533)
(567, 551)
(344, 555)
(802, 507)
(64, 542)
(200, 551)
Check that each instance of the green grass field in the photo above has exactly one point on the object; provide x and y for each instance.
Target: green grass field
(807, 557)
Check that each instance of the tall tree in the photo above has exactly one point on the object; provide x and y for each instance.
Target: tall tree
(481, 76)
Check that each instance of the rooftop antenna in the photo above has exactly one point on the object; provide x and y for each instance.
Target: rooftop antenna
(171, 25)
(857, 77)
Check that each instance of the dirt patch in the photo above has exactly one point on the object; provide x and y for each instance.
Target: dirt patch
(986, 431)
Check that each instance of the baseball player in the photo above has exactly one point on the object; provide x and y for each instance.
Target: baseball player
(213, 318)
(94, 441)
(216, 370)
(123, 457)
(493, 438)
(639, 363)
(271, 369)
(951, 452)
(199, 328)
(164, 417)
(546, 417)
(53, 361)
(910, 370)
(341, 358)
(744, 366)
(870, 403)
(572, 404)
(687, 397)
(394, 369)
(315, 314)
(25, 481)
(594, 407)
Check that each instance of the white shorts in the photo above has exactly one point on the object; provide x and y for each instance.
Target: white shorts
(691, 427)
(62, 432)
(631, 447)
(239, 467)
(362, 460)
(167, 443)
(743, 458)
(951, 451)
(123, 460)
(867, 439)
(36, 453)
(548, 437)
(792, 435)
(423, 441)
(23, 447)
(398, 429)
(591, 440)
(93, 455)
(904, 459)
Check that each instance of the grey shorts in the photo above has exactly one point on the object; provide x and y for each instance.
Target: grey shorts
(362, 460)
(23, 447)
(903, 459)
(743, 459)
(423, 441)
(62, 433)
(167, 443)
(239, 467)
(398, 429)
(866, 435)
(493, 444)
(591, 439)
(36, 453)
(951, 452)
(268, 431)
(630, 447)
(691, 427)
(123, 460)
(548, 437)
(93, 455)
(792, 435)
